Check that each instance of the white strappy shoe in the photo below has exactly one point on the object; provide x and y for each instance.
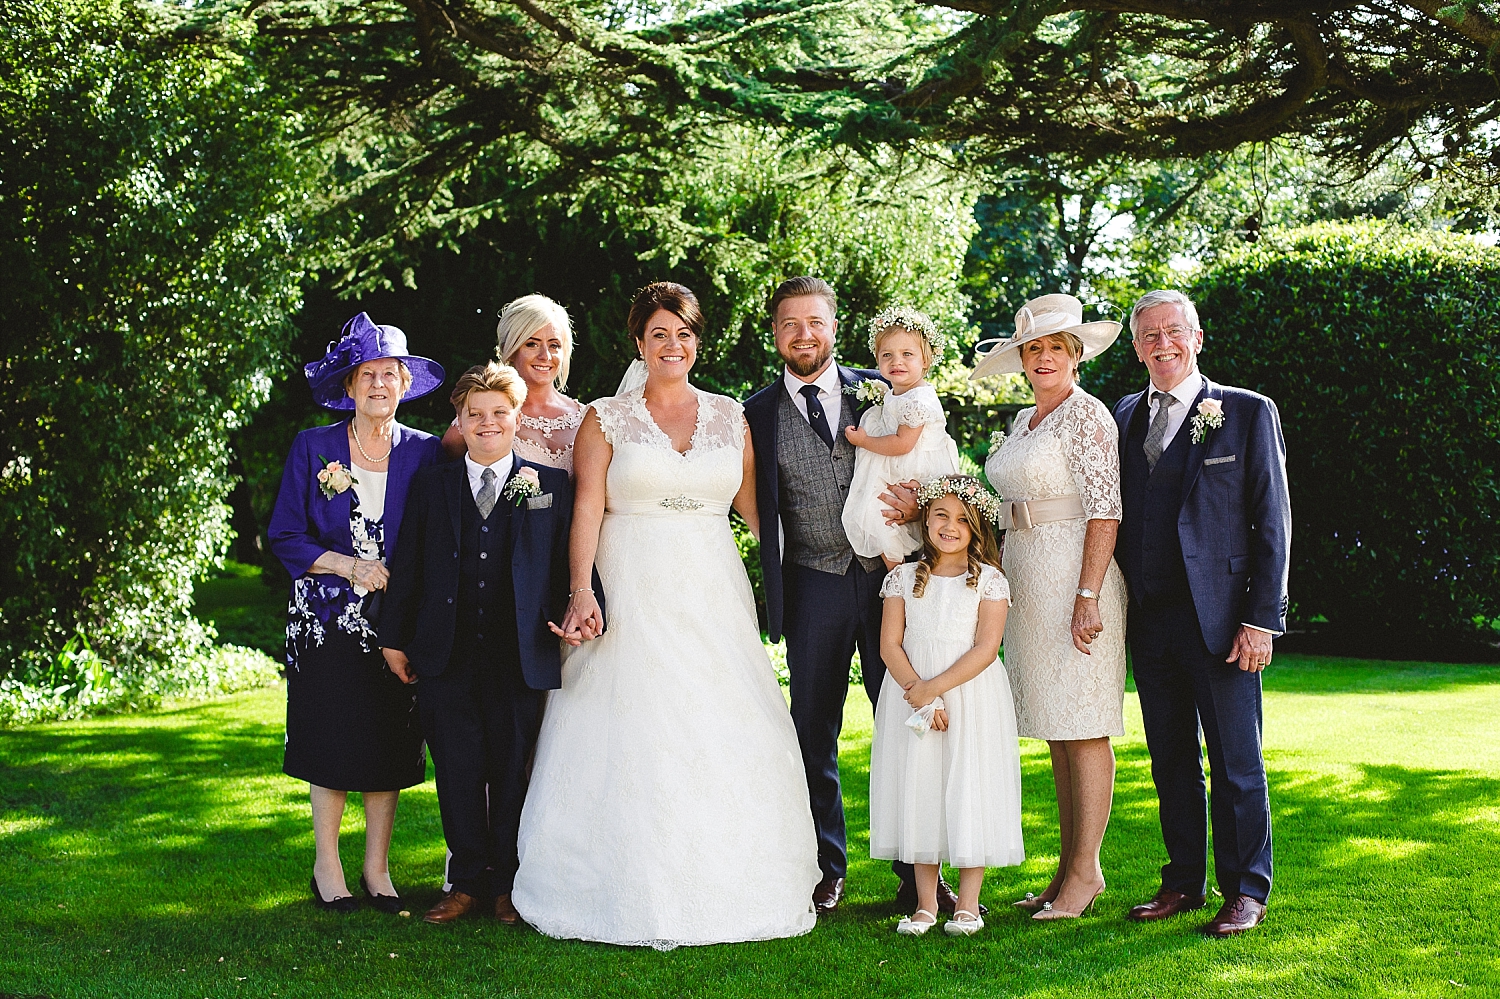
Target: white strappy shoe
(961, 927)
(909, 927)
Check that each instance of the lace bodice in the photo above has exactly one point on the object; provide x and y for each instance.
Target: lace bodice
(1074, 450)
(648, 476)
(899, 581)
(916, 407)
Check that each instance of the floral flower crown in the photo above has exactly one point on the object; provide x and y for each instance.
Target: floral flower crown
(911, 320)
(966, 488)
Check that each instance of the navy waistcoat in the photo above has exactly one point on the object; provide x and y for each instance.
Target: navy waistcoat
(1153, 503)
(486, 633)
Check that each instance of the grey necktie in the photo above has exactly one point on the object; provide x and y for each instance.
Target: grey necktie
(486, 497)
(1158, 431)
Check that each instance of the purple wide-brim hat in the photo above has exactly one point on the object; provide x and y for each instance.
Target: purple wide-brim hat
(363, 341)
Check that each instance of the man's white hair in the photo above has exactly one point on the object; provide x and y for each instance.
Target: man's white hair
(1152, 299)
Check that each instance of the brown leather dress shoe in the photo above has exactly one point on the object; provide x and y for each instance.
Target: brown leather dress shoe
(505, 912)
(1234, 918)
(452, 906)
(828, 895)
(1166, 903)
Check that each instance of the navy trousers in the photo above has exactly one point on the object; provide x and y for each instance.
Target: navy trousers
(481, 726)
(827, 617)
(1183, 686)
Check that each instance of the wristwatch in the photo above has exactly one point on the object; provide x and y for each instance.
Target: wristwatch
(1086, 593)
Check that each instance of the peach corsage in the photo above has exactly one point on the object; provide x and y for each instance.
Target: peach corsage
(334, 478)
(1210, 417)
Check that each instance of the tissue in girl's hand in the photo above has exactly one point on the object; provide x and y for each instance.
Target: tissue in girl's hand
(921, 718)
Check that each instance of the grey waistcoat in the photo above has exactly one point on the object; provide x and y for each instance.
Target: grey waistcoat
(813, 485)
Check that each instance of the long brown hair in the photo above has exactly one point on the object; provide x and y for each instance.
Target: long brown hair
(983, 548)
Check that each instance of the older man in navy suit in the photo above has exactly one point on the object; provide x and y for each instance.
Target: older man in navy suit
(1204, 545)
(479, 571)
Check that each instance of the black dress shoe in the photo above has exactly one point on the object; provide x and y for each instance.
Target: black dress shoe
(388, 904)
(828, 895)
(344, 903)
(947, 898)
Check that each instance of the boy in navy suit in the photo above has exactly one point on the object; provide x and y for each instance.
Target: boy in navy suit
(480, 568)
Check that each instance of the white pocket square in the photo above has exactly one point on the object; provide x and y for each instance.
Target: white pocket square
(541, 502)
(1226, 459)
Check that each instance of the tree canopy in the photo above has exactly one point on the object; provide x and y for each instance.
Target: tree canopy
(426, 90)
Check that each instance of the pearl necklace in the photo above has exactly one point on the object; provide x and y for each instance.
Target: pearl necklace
(365, 454)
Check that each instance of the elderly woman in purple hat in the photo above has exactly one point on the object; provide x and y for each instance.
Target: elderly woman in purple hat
(351, 725)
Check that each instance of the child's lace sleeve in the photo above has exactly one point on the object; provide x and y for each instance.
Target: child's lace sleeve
(993, 585)
(920, 410)
(895, 582)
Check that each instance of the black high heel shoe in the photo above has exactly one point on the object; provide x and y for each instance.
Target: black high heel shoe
(344, 903)
(388, 904)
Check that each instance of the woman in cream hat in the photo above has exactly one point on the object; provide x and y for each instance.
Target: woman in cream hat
(1059, 475)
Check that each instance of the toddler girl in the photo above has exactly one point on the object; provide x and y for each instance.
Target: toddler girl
(902, 437)
(945, 770)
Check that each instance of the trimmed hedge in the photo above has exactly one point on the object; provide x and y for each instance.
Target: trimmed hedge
(1381, 346)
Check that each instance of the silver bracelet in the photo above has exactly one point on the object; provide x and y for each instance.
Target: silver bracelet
(581, 589)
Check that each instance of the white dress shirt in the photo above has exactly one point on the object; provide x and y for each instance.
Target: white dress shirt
(503, 466)
(1182, 401)
(828, 393)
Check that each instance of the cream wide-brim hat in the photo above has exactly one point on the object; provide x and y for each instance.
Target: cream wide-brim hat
(1043, 317)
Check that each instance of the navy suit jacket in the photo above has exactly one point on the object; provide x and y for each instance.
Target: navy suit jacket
(304, 523)
(1236, 519)
(421, 605)
(760, 413)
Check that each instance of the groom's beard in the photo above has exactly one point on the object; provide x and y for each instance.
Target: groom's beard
(806, 369)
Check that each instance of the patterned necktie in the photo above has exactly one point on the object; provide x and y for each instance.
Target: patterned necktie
(487, 495)
(816, 416)
(1158, 431)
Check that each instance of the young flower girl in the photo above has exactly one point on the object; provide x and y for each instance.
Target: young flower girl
(945, 770)
(902, 437)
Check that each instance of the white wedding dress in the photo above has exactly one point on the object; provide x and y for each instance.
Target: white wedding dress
(668, 805)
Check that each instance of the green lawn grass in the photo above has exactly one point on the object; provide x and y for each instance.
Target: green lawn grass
(166, 855)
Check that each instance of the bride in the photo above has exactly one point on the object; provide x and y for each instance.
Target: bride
(667, 804)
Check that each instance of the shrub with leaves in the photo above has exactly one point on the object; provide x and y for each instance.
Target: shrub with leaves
(1381, 347)
(149, 215)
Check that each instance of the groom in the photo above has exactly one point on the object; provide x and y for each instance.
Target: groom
(1204, 545)
(822, 596)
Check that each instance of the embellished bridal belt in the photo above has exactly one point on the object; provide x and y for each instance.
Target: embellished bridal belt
(1022, 515)
(669, 505)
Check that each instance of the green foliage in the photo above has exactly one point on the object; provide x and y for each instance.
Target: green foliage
(1381, 346)
(149, 234)
(78, 682)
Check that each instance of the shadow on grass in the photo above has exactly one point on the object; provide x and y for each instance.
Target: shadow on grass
(137, 855)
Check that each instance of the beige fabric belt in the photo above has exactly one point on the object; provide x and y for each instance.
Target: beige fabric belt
(1026, 514)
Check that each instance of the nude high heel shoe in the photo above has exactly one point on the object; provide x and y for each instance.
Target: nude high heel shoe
(1049, 911)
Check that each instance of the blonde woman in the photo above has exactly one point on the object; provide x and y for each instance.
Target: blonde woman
(1059, 474)
(535, 337)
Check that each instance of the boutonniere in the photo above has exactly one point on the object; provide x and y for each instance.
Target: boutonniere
(997, 437)
(334, 478)
(523, 485)
(871, 390)
(1210, 417)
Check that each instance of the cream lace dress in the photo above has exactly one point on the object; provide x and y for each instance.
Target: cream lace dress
(1060, 692)
(668, 804)
(535, 438)
(946, 797)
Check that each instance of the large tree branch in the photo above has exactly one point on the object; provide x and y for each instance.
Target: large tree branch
(1471, 24)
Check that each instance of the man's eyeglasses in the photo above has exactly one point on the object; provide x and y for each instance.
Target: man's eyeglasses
(1153, 337)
